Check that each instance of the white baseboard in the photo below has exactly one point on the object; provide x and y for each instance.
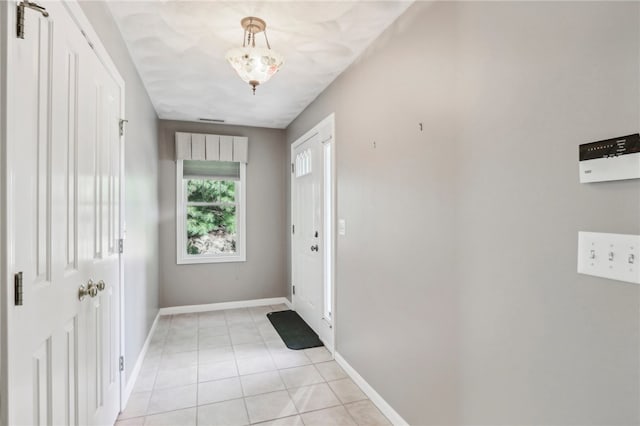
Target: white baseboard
(138, 365)
(374, 396)
(224, 305)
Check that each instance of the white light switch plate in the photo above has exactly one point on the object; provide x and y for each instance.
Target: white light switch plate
(613, 256)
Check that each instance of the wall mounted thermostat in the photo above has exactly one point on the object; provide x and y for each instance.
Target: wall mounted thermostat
(611, 159)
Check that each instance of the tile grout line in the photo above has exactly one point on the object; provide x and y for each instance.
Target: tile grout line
(269, 351)
(235, 360)
(278, 370)
(157, 373)
(281, 379)
(155, 379)
(287, 390)
(300, 414)
(198, 369)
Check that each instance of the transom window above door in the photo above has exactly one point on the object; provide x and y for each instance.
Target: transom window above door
(211, 200)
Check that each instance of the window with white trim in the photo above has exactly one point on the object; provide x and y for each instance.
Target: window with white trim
(211, 209)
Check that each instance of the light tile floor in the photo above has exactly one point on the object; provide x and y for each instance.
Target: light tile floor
(232, 368)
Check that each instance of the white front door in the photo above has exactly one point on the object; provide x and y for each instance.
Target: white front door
(308, 235)
(63, 151)
(311, 244)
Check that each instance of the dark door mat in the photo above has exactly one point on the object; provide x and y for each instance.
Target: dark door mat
(295, 333)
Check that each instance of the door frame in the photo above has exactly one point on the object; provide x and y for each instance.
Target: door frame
(329, 191)
(4, 245)
(7, 22)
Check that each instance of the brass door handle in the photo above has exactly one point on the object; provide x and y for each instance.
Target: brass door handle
(101, 285)
(90, 290)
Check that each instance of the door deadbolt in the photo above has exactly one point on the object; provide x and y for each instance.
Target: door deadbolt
(314, 248)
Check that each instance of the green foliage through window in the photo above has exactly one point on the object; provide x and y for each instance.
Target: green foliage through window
(211, 191)
(202, 220)
(211, 216)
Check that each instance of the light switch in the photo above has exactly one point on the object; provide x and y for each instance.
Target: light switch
(342, 227)
(610, 256)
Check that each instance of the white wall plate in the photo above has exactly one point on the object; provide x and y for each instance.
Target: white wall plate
(613, 256)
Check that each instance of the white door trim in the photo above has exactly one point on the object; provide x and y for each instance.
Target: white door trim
(329, 120)
(101, 52)
(4, 276)
(333, 218)
(122, 234)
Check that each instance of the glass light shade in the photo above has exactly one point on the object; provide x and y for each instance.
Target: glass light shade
(255, 65)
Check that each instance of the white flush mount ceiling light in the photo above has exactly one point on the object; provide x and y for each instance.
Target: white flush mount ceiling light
(255, 65)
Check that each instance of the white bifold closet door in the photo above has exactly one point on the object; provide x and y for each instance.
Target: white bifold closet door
(64, 151)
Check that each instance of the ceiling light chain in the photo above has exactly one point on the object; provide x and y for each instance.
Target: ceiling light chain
(266, 39)
(254, 65)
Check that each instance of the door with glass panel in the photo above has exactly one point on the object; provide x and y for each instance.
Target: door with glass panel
(308, 233)
(312, 233)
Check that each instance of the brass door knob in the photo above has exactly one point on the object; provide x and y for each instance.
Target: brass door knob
(101, 285)
(90, 290)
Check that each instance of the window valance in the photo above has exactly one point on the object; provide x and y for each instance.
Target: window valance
(198, 146)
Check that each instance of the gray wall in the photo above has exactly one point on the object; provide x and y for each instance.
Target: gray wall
(458, 297)
(263, 274)
(141, 181)
(540, 343)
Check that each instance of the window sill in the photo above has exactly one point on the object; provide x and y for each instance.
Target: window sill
(206, 259)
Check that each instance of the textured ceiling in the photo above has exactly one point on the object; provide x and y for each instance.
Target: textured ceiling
(179, 48)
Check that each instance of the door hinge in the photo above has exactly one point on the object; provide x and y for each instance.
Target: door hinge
(121, 363)
(121, 124)
(293, 168)
(293, 229)
(21, 12)
(120, 245)
(18, 289)
(293, 288)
